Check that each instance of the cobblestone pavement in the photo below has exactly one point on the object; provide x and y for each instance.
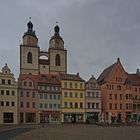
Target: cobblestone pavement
(81, 132)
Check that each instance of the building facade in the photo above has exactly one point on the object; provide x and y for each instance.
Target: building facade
(8, 97)
(28, 100)
(93, 101)
(133, 96)
(49, 90)
(73, 98)
(112, 81)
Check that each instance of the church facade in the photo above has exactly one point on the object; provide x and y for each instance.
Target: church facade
(30, 54)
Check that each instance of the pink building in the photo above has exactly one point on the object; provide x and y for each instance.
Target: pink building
(28, 99)
(93, 101)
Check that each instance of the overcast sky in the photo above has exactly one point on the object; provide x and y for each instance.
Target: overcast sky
(95, 32)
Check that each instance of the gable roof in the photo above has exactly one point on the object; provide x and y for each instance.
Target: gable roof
(103, 76)
(133, 79)
(73, 77)
(49, 79)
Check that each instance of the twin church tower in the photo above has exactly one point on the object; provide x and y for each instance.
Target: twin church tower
(31, 61)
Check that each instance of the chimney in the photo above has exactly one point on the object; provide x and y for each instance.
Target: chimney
(138, 72)
(78, 74)
(118, 59)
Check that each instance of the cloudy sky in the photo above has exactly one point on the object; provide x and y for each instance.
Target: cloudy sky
(95, 32)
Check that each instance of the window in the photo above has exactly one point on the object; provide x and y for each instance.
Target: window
(28, 105)
(76, 105)
(70, 104)
(126, 106)
(126, 96)
(97, 105)
(41, 105)
(59, 97)
(115, 106)
(25, 83)
(88, 94)
(2, 92)
(70, 94)
(110, 105)
(65, 105)
(2, 103)
(65, 94)
(97, 94)
(93, 106)
(81, 85)
(81, 95)
(21, 104)
(45, 96)
(33, 94)
(54, 96)
(54, 105)
(115, 96)
(7, 103)
(136, 89)
(118, 87)
(50, 106)
(75, 85)
(57, 60)
(30, 84)
(29, 57)
(120, 106)
(7, 92)
(33, 104)
(88, 105)
(65, 84)
(9, 82)
(21, 94)
(50, 96)
(45, 105)
(110, 96)
(59, 106)
(120, 96)
(41, 96)
(93, 94)
(70, 85)
(81, 105)
(3, 81)
(27, 94)
(13, 104)
(13, 92)
(76, 95)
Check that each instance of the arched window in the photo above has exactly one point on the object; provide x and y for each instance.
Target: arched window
(57, 60)
(29, 57)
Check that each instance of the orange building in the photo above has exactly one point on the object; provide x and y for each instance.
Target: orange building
(114, 103)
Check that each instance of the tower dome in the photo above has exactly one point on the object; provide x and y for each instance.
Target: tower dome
(6, 69)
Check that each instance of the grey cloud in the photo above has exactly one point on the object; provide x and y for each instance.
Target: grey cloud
(95, 32)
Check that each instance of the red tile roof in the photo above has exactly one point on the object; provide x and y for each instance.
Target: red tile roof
(49, 79)
(74, 77)
(133, 79)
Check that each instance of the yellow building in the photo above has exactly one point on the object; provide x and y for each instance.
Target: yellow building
(8, 97)
(73, 98)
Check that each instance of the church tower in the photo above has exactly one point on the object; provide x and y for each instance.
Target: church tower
(29, 52)
(57, 53)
